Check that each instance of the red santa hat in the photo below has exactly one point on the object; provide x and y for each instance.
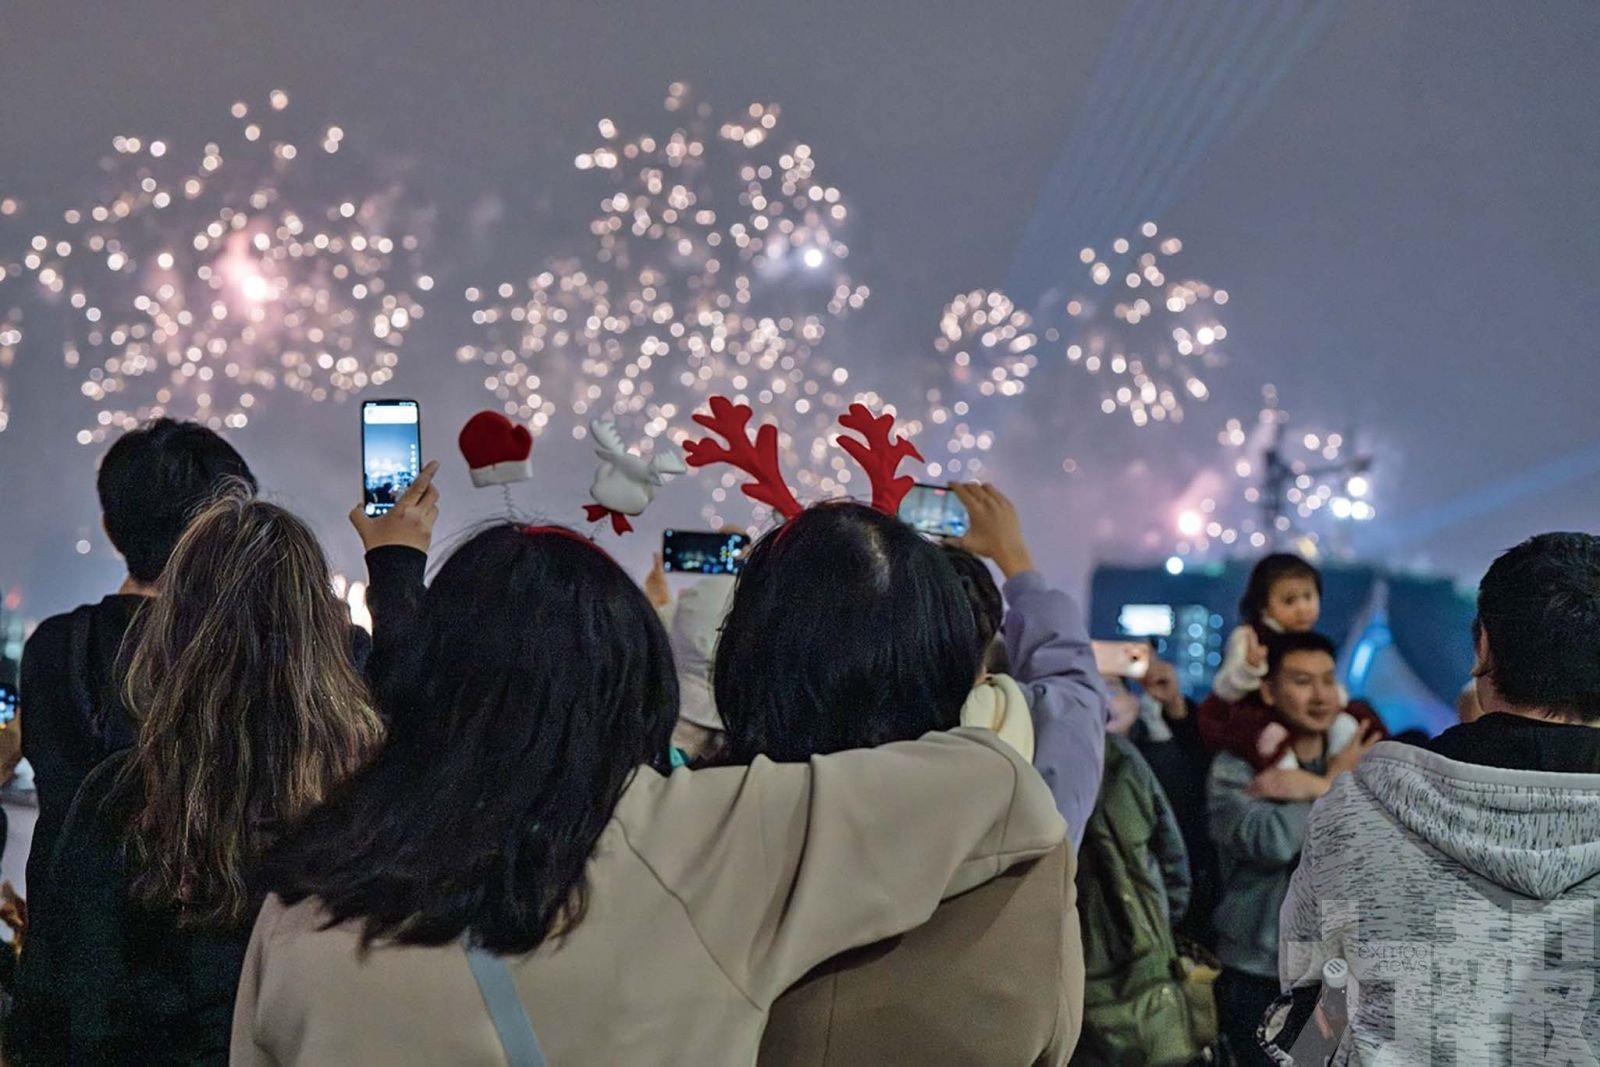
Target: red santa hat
(497, 450)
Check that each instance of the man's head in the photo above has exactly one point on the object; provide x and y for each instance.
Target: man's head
(1300, 684)
(152, 480)
(1538, 629)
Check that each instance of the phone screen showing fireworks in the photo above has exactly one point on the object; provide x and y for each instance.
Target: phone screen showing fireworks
(391, 451)
(8, 705)
(699, 552)
(934, 510)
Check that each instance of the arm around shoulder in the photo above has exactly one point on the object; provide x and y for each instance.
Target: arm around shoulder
(800, 862)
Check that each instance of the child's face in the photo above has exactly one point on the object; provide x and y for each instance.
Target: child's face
(1293, 604)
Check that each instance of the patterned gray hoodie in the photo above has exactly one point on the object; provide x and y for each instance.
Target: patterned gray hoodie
(1465, 899)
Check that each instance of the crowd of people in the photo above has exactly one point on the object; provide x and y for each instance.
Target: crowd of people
(861, 805)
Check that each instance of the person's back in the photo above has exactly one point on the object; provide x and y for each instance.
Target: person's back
(1461, 880)
(995, 976)
(526, 820)
(1466, 903)
(947, 994)
(1133, 885)
(248, 710)
(108, 978)
(72, 715)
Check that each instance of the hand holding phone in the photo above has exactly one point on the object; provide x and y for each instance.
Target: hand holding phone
(1122, 659)
(703, 552)
(996, 528)
(391, 452)
(934, 510)
(409, 522)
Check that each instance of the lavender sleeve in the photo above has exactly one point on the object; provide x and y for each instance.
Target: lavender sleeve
(1047, 641)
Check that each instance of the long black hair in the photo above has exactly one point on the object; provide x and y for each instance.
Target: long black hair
(847, 630)
(1263, 576)
(544, 682)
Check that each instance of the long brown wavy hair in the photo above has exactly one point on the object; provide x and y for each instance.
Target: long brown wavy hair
(248, 706)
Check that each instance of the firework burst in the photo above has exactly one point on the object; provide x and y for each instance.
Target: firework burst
(1150, 335)
(989, 342)
(715, 264)
(1274, 486)
(199, 289)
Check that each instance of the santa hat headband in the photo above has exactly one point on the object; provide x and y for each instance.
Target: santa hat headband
(879, 452)
(497, 450)
(499, 453)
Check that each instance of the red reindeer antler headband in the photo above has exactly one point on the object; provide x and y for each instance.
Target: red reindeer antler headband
(879, 454)
(758, 458)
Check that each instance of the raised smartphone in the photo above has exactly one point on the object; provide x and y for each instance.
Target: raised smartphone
(702, 552)
(934, 510)
(1122, 659)
(391, 451)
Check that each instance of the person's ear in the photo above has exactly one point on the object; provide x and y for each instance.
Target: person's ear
(1269, 696)
(1484, 661)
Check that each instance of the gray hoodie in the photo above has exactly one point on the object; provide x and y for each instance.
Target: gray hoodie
(1465, 899)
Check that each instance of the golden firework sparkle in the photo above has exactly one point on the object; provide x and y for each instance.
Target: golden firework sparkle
(714, 264)
(199, 288)
(1150, 333)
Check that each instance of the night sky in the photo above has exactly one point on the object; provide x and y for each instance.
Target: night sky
(1401, 200)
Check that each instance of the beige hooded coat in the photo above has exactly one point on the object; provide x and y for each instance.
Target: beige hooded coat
(710, 893)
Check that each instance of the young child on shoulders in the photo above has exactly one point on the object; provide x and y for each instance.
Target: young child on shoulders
(1283, 595)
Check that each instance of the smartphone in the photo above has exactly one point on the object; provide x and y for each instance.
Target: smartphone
(1146, 620)
(700, 552)
(391, 451)
(1122, 659)
(8, 705)
(934, 510)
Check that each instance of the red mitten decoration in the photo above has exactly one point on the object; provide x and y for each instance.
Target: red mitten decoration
(497, 450)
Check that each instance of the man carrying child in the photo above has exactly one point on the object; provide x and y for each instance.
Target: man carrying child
(1258, 822)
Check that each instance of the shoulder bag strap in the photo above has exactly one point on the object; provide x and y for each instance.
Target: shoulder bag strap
(510, 1018)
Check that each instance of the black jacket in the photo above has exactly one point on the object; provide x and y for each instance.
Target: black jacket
(71, 713)
(1182, 765)
(1518, 743)
(105, 979)
(109, 980)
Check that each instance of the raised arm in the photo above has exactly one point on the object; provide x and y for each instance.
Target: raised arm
(1047, 643)
(397, 544)
(1244, 664)
(1052, 660)
(394, 599)
(795, 863)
